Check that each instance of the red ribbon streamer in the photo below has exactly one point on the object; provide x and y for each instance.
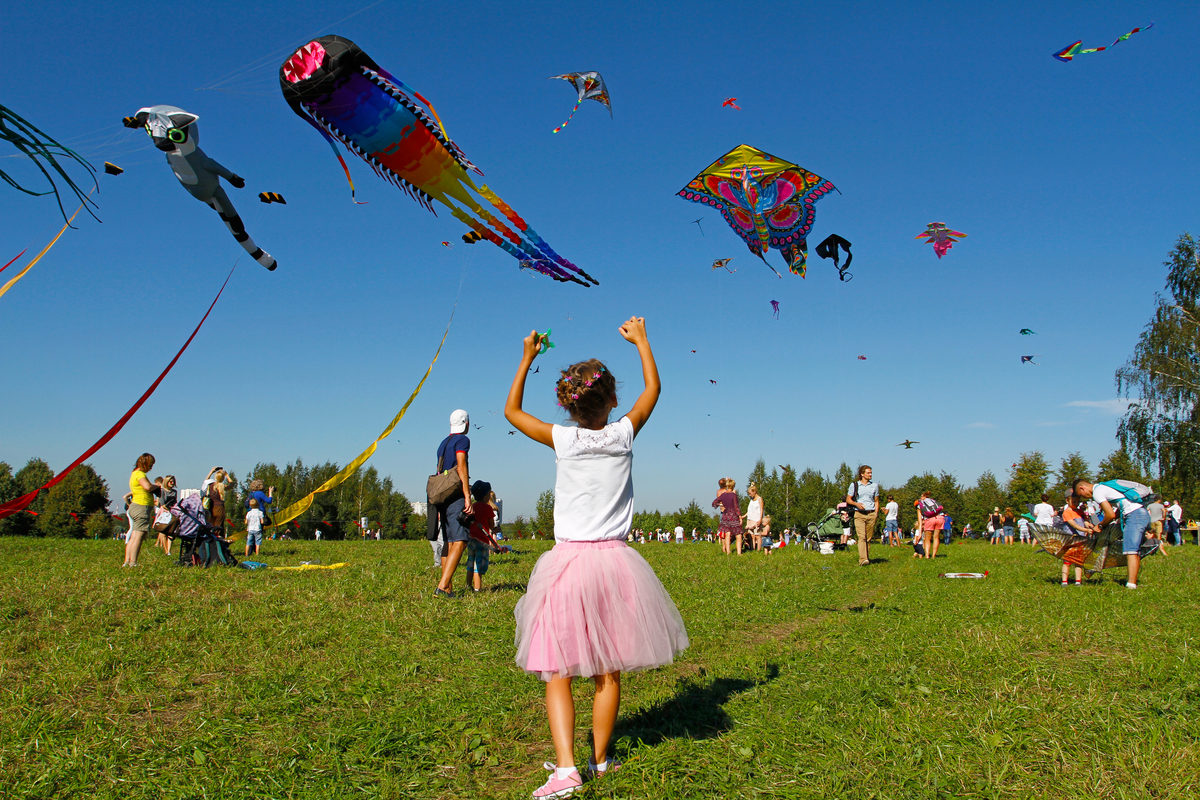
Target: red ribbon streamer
(20, 503)
(9, 264)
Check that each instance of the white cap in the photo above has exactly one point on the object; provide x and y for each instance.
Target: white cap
(459, 420)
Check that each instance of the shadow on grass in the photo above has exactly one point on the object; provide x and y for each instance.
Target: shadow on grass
(695, 712)
(505, 587)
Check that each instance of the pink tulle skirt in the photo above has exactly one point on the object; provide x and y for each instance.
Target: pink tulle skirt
(593, 608)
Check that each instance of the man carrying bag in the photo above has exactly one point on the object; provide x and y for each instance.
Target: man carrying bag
(448, 494)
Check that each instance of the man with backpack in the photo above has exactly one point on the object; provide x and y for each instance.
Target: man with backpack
(1124, 499)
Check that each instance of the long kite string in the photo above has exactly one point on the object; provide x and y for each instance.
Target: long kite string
(18, 504)
(43, 252)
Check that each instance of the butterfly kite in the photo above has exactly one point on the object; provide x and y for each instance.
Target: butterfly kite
(334, 86)
(941, 237)
(767, 201)
(1093, 553)
(829, 249)
(590, 87)
(720, 264)
(1070, 51)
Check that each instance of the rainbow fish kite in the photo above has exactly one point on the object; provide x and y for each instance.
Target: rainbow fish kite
(941, 237)
(1070, 51)
(767, 201)
(590, 87)
(336, 87)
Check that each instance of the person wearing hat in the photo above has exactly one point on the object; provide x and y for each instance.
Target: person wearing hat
(452, 454)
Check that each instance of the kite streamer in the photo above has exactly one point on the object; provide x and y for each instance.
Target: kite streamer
(20, 503)
(10, 263)
(300, 506)
(43, 252)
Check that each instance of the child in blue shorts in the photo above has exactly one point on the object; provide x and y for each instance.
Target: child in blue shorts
(480, 543)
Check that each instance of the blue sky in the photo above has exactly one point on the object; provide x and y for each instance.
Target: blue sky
(1072, 181)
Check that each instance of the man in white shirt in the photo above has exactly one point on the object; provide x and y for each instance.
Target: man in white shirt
(891, 522)
(1175, 515)
(1134, 521)
(1043, 512)
(678, 534)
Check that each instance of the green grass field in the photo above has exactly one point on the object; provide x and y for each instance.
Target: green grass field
(807, 677)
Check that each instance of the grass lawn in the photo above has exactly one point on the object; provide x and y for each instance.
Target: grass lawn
(807, 677)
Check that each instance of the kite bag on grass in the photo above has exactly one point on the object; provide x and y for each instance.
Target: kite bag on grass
(200, 545)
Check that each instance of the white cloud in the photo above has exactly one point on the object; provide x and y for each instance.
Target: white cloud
(1115, 406)
(981, 425)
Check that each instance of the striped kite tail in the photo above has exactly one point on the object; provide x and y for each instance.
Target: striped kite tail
(520, 224)
(571, 115)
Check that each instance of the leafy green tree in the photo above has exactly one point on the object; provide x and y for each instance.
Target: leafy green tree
(1119, 465)
(99, 526)
(692, 516)
(980, 499)
(69, 503)
(544, 513)
(1027, 483)
(1160, 431)
(8, 491)
(33, 475)
(1073, 466)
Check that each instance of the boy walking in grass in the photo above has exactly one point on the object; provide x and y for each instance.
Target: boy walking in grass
(254, 523)
(480, 542)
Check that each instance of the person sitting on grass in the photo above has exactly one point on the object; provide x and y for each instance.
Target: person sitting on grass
(1134, 521)
(481, 542)
(254, 523)
(918, 545)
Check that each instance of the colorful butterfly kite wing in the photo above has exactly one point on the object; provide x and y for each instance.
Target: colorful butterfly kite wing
(767, 201)
(940, 236)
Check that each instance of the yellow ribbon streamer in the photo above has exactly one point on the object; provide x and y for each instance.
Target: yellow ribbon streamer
(45, 250)
(302, 567)
(300, 506)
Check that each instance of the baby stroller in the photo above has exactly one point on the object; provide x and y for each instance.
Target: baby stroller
(827, 529)
(200, 544)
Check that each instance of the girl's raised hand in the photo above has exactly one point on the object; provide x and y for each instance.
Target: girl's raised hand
(634, 330)
(531, 345)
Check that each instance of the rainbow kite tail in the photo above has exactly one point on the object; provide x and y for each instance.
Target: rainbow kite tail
(337, 154)
(797, 255)
(543, 247)
(571, 115)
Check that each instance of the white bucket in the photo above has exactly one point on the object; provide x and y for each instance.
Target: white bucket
(826, 548)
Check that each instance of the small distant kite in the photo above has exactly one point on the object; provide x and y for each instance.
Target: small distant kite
(775, 308)
(676, 445)
(731, 102)
(512, 433)
(1027, 331)
(710, 380)
(1029, 360)
(697, 222)
(862, 358)
(272, 197)
(829, 249)
(1070, 51)
(941, 237)
(720, 264)
(447, 244)
(590, 87)
(907, 444)
(112, 169)
(767, 201)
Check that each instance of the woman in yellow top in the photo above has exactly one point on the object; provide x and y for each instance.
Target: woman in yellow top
(141, 507)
